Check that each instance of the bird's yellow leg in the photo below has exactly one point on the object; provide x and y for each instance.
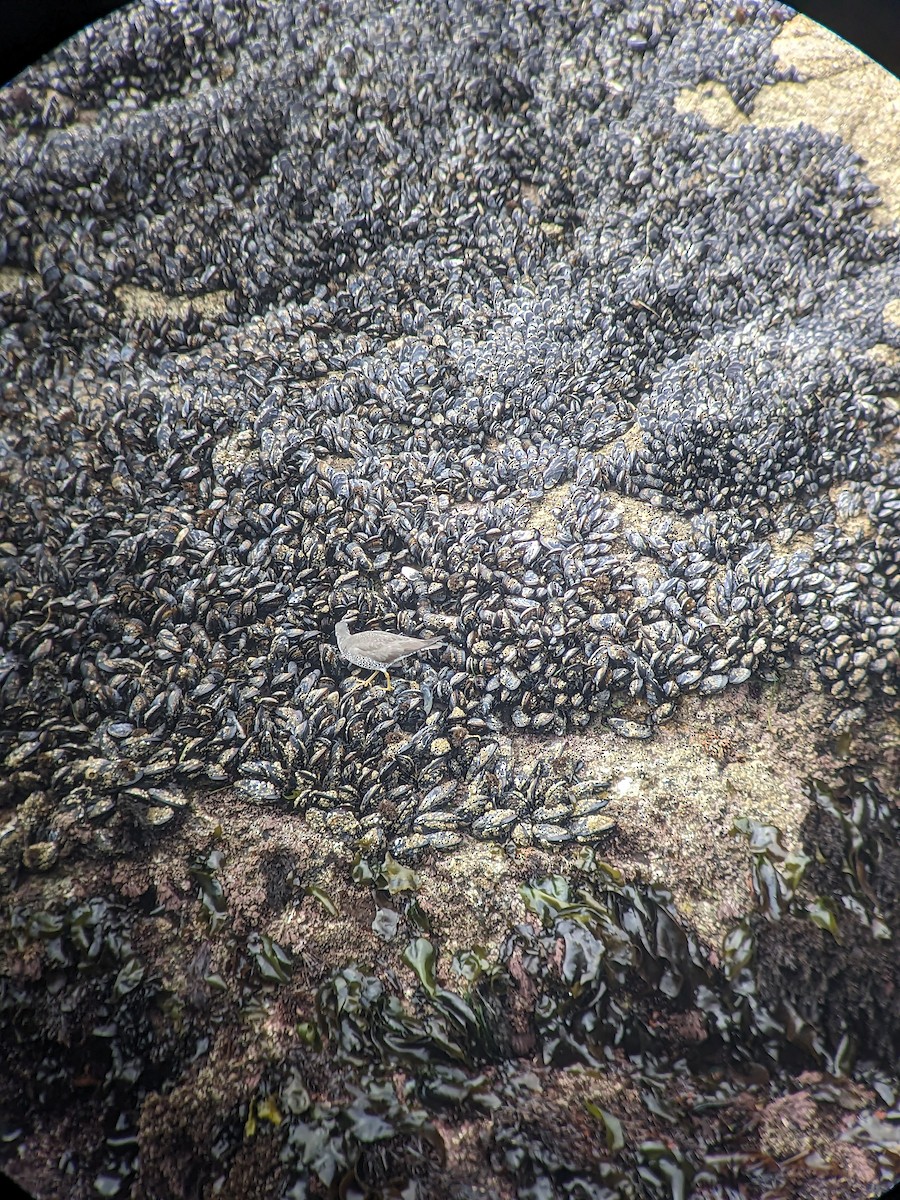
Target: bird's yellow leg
(367, 681)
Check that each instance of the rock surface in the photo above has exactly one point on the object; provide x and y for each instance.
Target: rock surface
(569, 335)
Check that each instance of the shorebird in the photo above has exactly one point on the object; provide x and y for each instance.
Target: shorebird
(378, 650)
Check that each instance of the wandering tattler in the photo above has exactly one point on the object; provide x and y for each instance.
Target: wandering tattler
(378, 650)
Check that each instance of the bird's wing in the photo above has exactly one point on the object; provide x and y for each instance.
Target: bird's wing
(389, 647)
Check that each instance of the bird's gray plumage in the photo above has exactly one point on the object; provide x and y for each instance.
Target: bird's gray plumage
(378, 649)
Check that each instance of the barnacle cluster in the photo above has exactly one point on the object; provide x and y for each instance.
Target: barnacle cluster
(448, 320)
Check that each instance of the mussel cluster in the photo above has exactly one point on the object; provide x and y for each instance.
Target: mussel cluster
(447, 320)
